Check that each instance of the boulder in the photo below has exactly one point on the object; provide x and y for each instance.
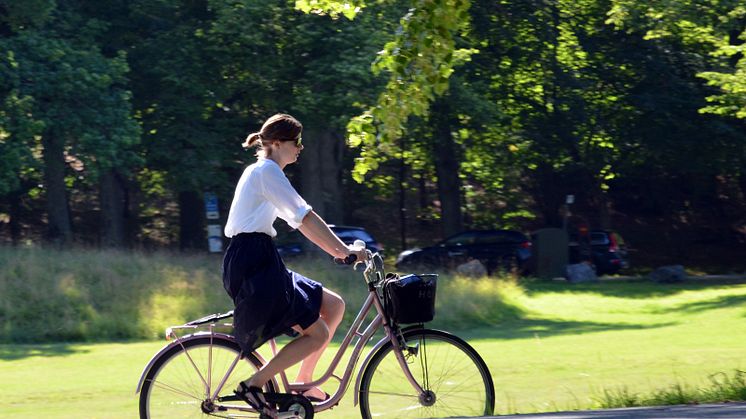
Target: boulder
(668, 274)
(581, 272)
(472, 269)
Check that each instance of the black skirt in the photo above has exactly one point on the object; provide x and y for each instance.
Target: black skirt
(269, 298)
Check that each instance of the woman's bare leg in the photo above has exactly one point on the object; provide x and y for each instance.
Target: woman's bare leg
(312, 339)
(308, 347)
(332, 310)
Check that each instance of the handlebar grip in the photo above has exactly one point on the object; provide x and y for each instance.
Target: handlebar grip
(349, 260)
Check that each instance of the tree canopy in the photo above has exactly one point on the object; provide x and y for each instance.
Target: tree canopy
(116, 118)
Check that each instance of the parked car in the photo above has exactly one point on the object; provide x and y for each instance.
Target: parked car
(496, 249)
(608, 251)
(348, 235)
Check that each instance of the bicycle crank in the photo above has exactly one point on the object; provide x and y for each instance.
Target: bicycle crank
(290, 406)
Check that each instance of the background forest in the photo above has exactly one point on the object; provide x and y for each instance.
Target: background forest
(422, 117)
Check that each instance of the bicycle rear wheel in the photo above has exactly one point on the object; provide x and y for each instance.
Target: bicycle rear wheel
(182, 381)
(455, 379)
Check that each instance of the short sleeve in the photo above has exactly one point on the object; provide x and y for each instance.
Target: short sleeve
(291, 207)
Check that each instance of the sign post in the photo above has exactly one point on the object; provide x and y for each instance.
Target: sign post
(214, 231)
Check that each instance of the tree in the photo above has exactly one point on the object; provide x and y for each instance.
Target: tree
(308, 65)
(717, 29)
(55, 66)
(709, 38)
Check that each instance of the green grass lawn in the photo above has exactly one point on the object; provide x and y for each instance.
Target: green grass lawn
(573, 342)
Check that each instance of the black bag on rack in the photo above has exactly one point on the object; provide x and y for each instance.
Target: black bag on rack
(410, 298)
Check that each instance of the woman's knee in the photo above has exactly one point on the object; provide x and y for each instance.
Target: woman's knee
(332, 305)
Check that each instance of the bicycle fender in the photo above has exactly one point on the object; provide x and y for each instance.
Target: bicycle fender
(370, 354)
(178, 342)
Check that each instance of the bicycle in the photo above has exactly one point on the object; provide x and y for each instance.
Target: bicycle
(412, 371)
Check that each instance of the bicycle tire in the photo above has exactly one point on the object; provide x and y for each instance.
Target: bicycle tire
(173, 387)
(445, 365)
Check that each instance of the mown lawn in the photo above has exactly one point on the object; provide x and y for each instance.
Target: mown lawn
(571, 343)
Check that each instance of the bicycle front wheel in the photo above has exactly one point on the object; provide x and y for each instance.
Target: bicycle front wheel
(183, 380)
(455, 379)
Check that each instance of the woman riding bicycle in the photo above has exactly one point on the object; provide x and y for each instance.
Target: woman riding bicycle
(269, 298)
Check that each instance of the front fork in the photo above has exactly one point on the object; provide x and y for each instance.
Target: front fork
(403, 352)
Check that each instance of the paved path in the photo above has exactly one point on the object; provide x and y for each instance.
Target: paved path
(702, 411)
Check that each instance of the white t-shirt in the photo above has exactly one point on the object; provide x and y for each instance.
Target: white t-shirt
(264, 193)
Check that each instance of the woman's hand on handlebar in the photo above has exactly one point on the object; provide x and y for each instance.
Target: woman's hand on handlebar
(355, 253)
(360, 253)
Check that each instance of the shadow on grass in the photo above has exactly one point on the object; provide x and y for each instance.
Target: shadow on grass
(725, 301)
(628, 288)
(528, 328)
(10, 352)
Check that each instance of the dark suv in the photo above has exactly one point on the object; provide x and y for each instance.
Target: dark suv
(496, 249)
(608, 251)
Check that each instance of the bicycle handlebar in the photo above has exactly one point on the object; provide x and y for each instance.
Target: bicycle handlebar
(349, 260)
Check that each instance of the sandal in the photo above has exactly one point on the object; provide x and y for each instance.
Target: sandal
(317, 399)
(254, 396)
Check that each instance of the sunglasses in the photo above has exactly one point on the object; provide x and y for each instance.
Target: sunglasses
(298, 141)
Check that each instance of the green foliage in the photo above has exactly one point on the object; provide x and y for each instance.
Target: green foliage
(732, 99)
(19, 146)
(602, 99)
(48, 71)
(18, 15)
(717, 29)
(418, 61)
(333, 7)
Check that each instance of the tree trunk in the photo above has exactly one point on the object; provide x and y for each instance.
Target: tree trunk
(310, 168)
(58, 211)
(403, 196)
(14, 224)
(320, 167)
(549, 192)
(113, 210)
(192, 235)
(422, 195)
(447, 169)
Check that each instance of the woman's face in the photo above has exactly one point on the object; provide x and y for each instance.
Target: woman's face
(285, 152)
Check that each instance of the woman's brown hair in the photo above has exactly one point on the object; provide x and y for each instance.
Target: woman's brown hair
(280, 126)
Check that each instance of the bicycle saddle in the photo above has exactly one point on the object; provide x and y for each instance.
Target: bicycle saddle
(212, 318)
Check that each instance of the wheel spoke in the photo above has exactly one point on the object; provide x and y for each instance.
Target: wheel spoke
(387, 393)
(175, 390)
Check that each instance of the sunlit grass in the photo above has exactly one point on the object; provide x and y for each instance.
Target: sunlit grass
(549, 345)
(48, 295)
(87, 295)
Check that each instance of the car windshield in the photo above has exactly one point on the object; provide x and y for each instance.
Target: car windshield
(484, 237)
(461, 240)
(500, 237)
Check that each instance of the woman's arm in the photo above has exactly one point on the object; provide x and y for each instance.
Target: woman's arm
(316, 230)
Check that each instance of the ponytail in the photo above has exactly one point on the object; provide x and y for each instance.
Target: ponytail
(252, 139)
